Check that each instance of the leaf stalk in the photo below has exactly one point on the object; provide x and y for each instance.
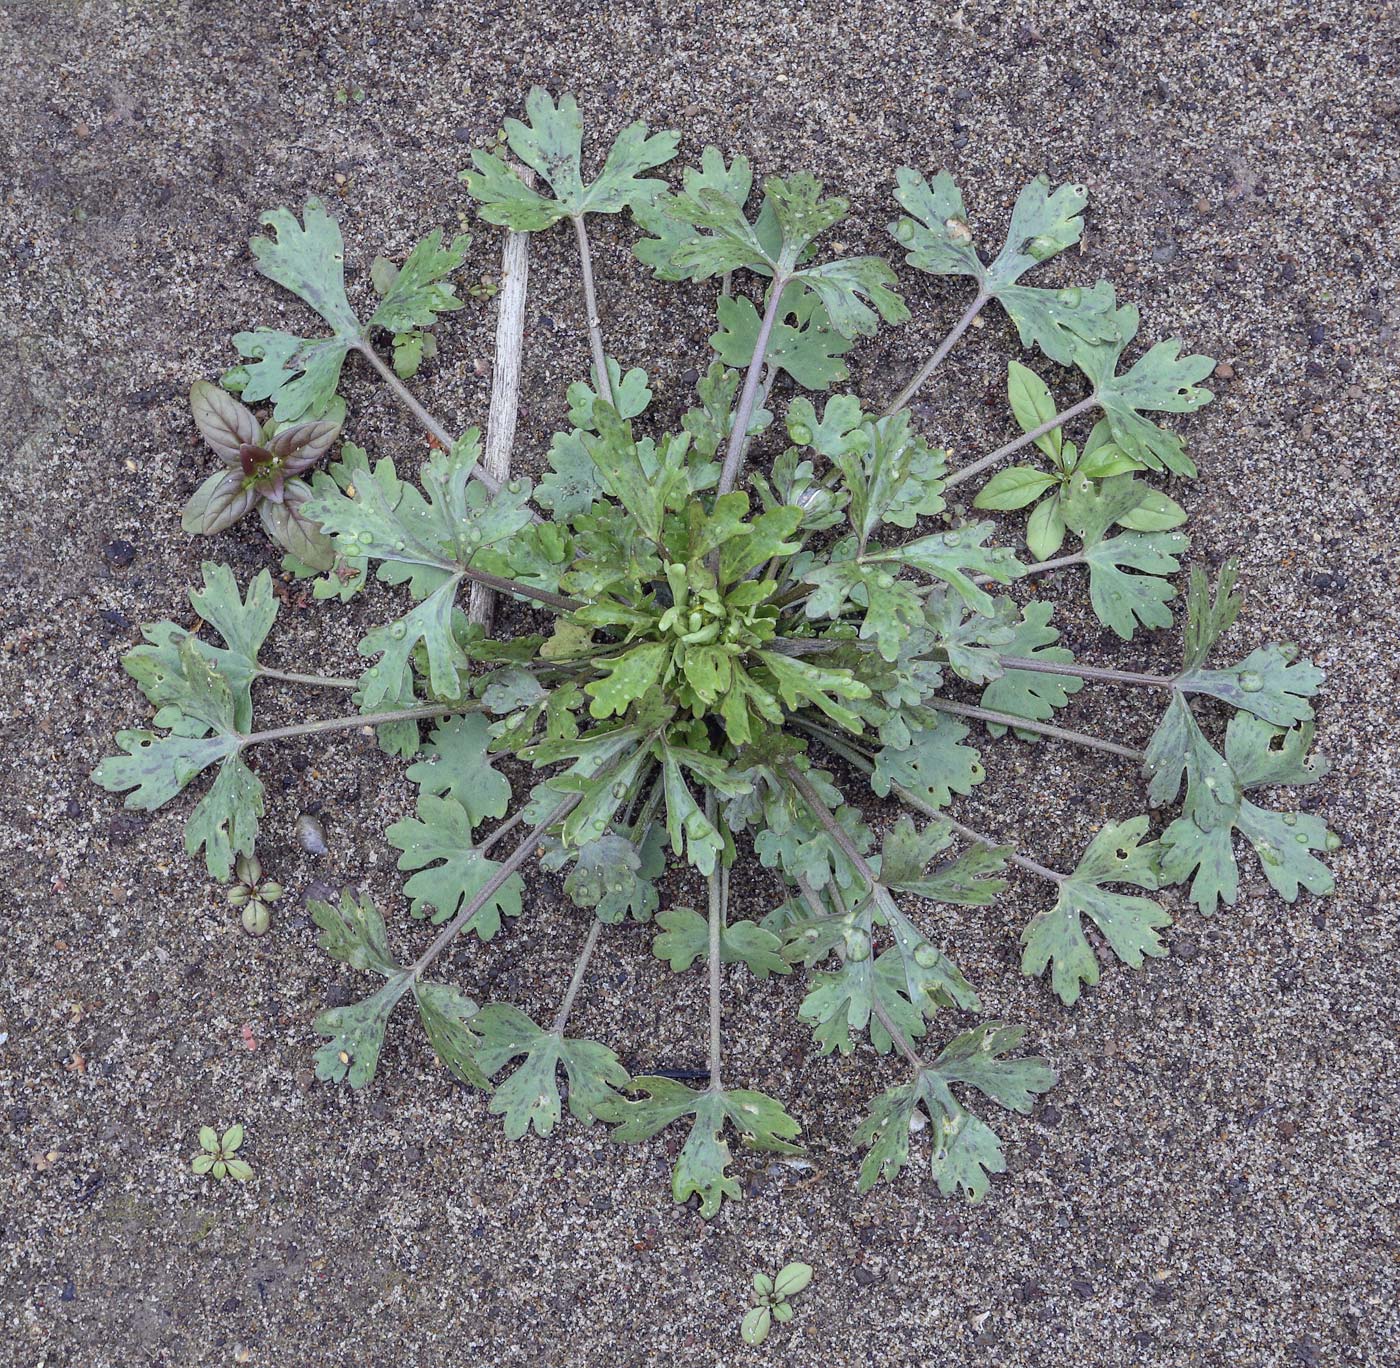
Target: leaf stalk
(901, 400)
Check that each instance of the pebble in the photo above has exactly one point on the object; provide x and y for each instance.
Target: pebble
(311, 835)
(119, 554)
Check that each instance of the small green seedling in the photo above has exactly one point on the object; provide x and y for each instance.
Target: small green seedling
(216, 1155)
(253, 893)
(773, 1304)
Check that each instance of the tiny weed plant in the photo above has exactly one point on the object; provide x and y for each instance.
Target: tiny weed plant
(735, 621)
(771, 1298)
(218, 1154)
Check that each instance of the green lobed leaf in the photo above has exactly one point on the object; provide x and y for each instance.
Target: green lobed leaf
(1027, 693)
(1200, 842)
(1128, 923)
(701, 1167)
(551, 144)
(949, 556)
(937, 237)
(448, 1017)
(970, 880)
(1161, 381)
(194, 699)
(419, 292)
(671, 234)
(853, 291)
(443, 830)
(354, 932)
(685, 938)
(964, 1150)
(529, 1098)
(803, 342)
(455, 764)
(356, 1034)
(933, 767)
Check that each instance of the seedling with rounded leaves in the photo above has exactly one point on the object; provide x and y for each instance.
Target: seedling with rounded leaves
(772, 1294)
(218, 1154)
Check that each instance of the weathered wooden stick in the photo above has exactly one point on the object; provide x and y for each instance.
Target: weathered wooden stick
(505, 384)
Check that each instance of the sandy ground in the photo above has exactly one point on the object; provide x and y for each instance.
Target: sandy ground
(1213, 1182)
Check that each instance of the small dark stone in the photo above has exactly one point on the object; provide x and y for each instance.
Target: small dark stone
(961, 141)
(72, 808)
(119, 554)
(1081, 1288)
(1328, 582)
(864, 1277)
(1317, 335)
(298, 761)
(114, 617)
(463, 134)
(318, 891)
(690, 377)
(1289, 273)
(1029, 1291)
(1184, 948)
(126, 825)
(230, 1305)
(69, 1292)
(1049, 1116)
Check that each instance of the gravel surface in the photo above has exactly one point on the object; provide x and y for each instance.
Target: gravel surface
(1213, 1182)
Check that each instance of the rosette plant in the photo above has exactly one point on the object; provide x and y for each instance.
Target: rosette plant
(261, 464)
(735, 622)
